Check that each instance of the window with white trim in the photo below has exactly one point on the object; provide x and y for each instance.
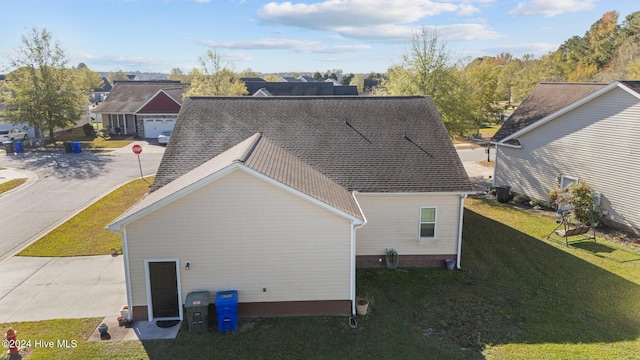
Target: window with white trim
(427, 222)
(566, 181)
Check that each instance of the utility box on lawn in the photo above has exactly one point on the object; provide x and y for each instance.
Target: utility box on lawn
(197, 306)
(227, 310)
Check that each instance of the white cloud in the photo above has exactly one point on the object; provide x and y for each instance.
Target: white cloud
(331, 14)
(518, 50)
(404, 34)
(302, 46)
(550, 8)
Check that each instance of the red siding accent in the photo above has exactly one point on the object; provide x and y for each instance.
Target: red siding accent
(160, 104)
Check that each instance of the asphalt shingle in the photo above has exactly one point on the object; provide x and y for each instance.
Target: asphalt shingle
(360, 143)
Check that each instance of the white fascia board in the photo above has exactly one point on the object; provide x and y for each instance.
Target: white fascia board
(299, 193)
(457, 193)
(171, 197)
(159, 114)
(509, 145)
(565, 110)
(207, 179)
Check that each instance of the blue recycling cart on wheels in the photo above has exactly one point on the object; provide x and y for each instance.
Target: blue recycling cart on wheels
(227, 310)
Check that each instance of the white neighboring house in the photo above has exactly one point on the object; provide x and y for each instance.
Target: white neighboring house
(281, 198)
(566, 132)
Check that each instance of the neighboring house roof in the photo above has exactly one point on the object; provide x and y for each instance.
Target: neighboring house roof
(544, 100)
(306, 78)
(288, 79)
(262, 92)
(256, 153)
(548, 100)
(129, 96)
(372, 144)
(314, 88)
(106, 86)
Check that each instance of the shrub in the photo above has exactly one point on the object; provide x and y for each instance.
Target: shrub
(521, 199)
(89, 130)
(579, 197)
(538, 203)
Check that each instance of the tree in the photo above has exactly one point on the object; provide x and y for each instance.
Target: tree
(41, 91)
(481, 82)
(346, 79)
(177, 74)
(427, 70)
(214, 78)
(117, 75)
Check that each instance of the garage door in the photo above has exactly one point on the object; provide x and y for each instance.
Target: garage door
(153, 127)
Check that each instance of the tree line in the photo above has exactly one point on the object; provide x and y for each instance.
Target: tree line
(44, 92)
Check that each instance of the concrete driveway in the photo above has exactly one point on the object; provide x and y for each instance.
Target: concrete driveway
(61, 185)
(42, 288)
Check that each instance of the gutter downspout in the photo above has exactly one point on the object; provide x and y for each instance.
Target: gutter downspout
(459, 255)
(495, 168)
(127, 274)
(353, 256)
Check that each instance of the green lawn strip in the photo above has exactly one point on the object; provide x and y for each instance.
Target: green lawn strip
(91, 142)
(518, 296)
(84, 234)
(11, 184)
(489, 131)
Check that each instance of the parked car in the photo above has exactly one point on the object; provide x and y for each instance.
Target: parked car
(13, 135)
(164, 137)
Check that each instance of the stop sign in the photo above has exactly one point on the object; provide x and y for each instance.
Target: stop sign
(137, 149)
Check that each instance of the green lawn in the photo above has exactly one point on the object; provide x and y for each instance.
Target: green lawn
(517, 297)
(84, 234)
(90, 142)
(11, 184)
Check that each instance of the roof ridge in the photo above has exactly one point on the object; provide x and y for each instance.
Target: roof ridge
(247, 154)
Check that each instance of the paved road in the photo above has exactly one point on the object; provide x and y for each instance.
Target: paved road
(63, 185)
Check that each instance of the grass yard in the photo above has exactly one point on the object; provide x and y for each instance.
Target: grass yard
(84, 234)
(11, 184)
(517, 297)
(488, 131)
(77, 134)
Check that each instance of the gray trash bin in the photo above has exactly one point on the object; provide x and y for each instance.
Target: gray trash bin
(197, 306)
(8, 147)
(502, 193)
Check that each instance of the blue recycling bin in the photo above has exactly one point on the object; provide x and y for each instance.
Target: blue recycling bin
(76, 146)
(227, 310)
(18, 146)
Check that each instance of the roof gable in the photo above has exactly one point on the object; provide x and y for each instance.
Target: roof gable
(259, 156)
(542, 109)
(366, 144)
(160, 103)
(129, 96)
(544, 100)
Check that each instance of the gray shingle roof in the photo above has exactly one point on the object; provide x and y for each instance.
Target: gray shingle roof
(544, 100)
(262, 155)
(355, 141)
(128, 96)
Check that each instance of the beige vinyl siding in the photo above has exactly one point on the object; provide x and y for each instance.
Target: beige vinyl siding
(596, 142)
(240, 232)
(393, 221)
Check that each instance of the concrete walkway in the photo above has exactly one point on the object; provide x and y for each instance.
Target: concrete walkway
(43, 288)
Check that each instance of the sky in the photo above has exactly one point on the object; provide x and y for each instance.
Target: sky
(358, 36)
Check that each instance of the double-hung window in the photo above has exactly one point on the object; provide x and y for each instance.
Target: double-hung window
(427, 222)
